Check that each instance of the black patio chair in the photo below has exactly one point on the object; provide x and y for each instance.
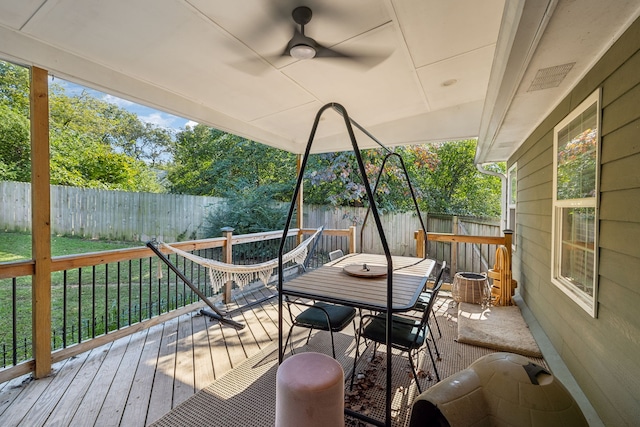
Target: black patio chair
(321, 316)
(421, 305)
(408, 334)
(334, 255)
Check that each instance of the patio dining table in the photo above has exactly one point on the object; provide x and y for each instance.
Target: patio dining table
(362, 281)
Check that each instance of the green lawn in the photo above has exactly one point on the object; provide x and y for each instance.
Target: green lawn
(17, 246)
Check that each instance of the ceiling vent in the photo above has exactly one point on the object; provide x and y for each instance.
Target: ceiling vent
(550, 77)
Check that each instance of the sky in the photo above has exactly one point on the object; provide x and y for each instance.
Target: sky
(145, 114)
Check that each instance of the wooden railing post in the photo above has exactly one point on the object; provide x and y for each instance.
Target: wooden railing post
(352, 239)
(420, 237)
(508, 242)
(41, 222)
(227, 256)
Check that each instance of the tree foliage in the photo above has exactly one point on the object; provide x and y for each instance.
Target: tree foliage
(211, 162)
(443, 176)
(251, 210)
(93, 143)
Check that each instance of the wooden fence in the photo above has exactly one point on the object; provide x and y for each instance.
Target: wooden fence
(105, 214)
(119, 215)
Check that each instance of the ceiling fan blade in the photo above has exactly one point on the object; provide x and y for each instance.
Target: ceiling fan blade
(367, 59)
(325, 52)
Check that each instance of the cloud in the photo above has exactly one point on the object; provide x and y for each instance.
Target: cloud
(159, 119)
(123, 103)
(191, 123)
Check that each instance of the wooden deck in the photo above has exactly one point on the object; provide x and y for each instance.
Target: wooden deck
(135, 380)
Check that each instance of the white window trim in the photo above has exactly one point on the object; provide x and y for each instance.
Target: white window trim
(588, 303)
(510, 183)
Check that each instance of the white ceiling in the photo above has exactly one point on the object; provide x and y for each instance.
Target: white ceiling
(435, 70)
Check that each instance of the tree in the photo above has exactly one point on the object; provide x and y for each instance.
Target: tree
(211, 162)
(248, 211)
(94, 144)
(443, 176)
(15, 148)
(14, 88)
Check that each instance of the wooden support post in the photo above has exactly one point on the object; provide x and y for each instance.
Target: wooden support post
(352, 239)
(227, 256)
(41, 222)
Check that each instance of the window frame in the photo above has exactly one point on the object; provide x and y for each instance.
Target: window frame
(581, 298)
(512, 202)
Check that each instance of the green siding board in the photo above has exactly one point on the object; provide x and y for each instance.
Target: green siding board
(622, 80)
(609, 359)
(538, 244)
(599, 396)
(535, 221)
(543, 176)
(539, 192)
(622, 269)
(621, 143)
(535, 147)
(535, 207)
(536, 164)
(622, 237)
(620, 174)
(623, 205)
(623, 111)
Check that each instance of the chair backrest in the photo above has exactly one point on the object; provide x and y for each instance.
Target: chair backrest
(434, 295)
(333, 255)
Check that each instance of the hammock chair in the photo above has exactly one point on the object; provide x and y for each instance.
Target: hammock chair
(221, 272)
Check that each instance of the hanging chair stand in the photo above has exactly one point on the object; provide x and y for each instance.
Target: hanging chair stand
(349, 123)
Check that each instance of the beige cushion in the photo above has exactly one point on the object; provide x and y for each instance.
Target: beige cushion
(500, 389)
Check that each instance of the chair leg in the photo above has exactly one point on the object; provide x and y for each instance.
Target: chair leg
(355, 360)
(309, 336)
(437, 324)
(415, 374)
(287, 340)
(333, 346)
(433, 362)
(434, 342)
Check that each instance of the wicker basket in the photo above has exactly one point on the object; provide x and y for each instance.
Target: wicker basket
(471, 287)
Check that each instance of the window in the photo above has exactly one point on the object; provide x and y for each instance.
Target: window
(575, 201)
(512, 197)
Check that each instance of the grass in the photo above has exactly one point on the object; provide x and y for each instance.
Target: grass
(17, 246)
(97, 298)
(94, 298)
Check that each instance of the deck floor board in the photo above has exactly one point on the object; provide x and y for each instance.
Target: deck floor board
(137, 379)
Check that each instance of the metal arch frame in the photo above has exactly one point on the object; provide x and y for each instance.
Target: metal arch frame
(376, 215)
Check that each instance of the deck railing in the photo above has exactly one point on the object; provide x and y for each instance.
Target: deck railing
(100, 297)
(463, 253)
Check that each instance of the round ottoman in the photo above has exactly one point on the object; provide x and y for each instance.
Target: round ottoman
(310, 391)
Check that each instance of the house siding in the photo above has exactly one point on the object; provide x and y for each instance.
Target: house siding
(601, 353)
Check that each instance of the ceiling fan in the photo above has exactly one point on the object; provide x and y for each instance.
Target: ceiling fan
(302, 47)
